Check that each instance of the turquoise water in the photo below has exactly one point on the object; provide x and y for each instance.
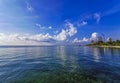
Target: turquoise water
(55, 64)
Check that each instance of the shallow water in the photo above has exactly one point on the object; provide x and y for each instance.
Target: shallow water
(54, 64)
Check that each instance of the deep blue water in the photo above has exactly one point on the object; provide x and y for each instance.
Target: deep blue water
(17, 62)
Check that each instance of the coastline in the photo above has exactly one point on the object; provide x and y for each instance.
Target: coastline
(103, 46)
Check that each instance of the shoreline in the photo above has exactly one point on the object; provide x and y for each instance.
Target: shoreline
(106, 46)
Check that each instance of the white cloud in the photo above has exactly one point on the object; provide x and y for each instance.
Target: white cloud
(65, 34)
(72, 29)
(50, 27)
(97, 37)
(17, 39)
(40, 26)
(76, 40)
(85, 18)
(38, 39)
(94, 35)
(62, 35)
(97, 16)
(85, 39)
(83, 23)
(29, 7)
(43, 27)
(45, 39)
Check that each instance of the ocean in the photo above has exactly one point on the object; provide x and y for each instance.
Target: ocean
(59, 64)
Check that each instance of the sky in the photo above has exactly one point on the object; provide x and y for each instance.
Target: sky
(52, 22)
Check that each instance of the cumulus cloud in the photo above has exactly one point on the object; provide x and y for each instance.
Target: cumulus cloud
(46, 39)
(72, 29)
(66, 33)
(17, 39)
(76, 40)
(94, 36)
(62, 35)
(38, 39)
(97, 37)
(85, 39)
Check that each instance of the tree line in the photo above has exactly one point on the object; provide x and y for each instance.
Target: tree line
(109, 42)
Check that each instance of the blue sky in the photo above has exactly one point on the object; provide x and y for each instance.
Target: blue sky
(57, 21)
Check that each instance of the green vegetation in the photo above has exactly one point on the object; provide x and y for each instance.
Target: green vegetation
(108, 43)
(58, 78)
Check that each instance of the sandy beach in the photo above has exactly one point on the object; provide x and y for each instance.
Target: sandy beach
(108, 46)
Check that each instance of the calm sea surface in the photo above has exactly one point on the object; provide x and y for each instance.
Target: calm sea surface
(27, 63)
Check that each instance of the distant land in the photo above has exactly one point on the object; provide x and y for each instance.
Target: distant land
(109, 43)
